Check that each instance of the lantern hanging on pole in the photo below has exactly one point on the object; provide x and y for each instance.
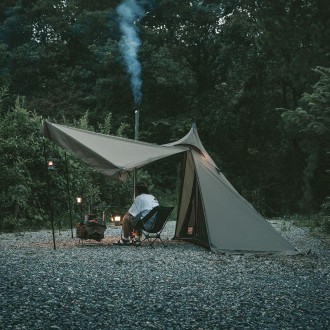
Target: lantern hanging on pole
(50, 165)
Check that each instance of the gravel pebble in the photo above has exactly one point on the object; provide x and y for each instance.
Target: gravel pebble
(181, 286)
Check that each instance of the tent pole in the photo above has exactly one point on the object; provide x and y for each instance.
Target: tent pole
(50, 204)
(134, 183)
(68, 192)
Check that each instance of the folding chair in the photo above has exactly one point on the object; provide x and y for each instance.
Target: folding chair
(152, 234)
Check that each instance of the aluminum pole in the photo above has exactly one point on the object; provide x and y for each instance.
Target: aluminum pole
(50, 204)
(68, 192)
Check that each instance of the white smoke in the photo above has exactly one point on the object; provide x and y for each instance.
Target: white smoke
(129, 11)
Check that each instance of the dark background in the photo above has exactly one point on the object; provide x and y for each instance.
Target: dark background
(253, 75)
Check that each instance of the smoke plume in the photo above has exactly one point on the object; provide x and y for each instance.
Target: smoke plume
(129, 11)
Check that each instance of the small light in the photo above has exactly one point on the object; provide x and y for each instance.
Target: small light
(79, 200)
(117, 219)
(51, 165)
(190, 230)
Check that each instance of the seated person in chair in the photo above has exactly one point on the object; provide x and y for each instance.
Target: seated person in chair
(142, 205)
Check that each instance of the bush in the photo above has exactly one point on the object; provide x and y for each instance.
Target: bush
(324, 217)
(11, 224)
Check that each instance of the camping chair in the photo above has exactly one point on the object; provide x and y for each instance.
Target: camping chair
(153, 233)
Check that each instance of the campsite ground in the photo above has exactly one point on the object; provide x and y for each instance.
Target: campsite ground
(182, 286)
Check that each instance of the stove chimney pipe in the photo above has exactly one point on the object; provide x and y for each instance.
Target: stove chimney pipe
(137, 119)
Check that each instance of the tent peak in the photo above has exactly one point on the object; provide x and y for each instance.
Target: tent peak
(191, 139)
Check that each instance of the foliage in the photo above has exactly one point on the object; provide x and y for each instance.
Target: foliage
(21, 162)
(309, 126)
(25, 199)
(324, 216)
(226, 65)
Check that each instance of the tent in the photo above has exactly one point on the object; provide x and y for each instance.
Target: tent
(211, 212)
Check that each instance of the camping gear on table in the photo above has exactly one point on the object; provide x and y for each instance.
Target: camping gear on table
(90, 231)
(91, 228)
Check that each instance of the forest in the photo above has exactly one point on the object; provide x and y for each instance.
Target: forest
(254, 76)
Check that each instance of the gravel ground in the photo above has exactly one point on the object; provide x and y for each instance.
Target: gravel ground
(182, 286)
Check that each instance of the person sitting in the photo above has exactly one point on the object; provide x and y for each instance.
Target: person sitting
(142, 205)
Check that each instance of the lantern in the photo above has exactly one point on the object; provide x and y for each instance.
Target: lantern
(117, 219)
(51, 165)
(79, 202)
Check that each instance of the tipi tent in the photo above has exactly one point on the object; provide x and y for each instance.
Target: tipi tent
(211, 212)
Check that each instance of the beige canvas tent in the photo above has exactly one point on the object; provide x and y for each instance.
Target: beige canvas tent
(211, 212)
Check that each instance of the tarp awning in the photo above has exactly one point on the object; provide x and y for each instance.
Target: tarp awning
(110, 155)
